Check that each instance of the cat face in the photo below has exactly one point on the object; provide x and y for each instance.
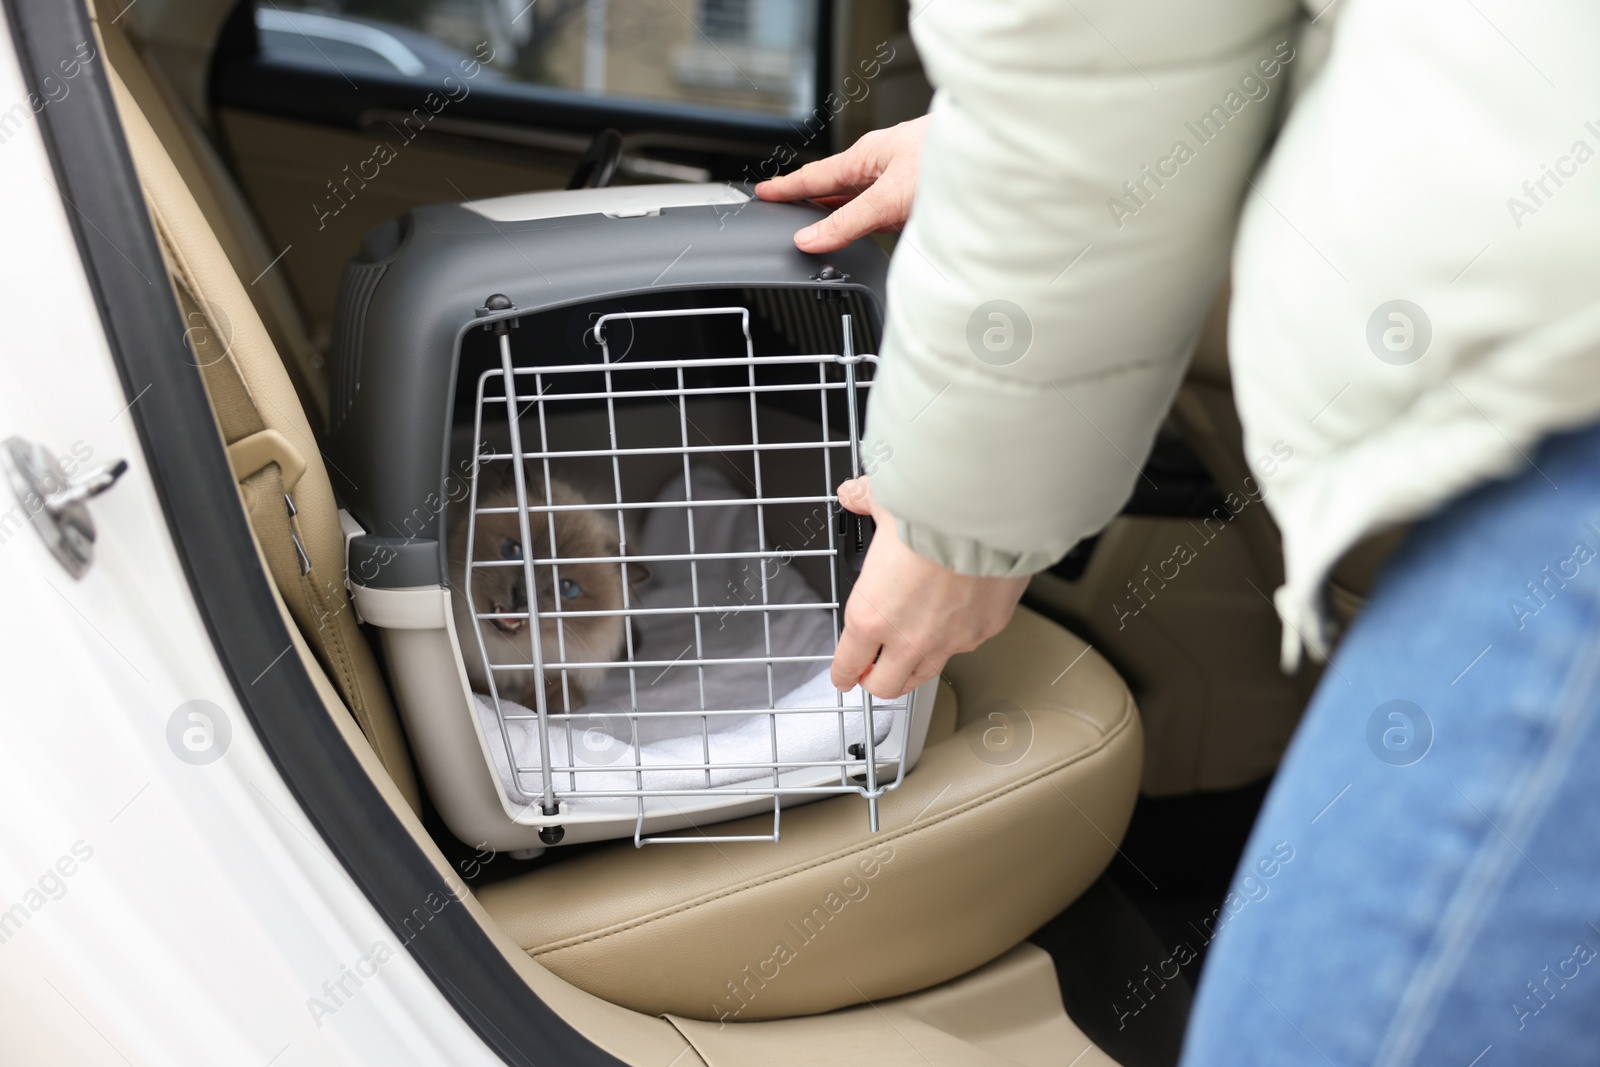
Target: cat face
(560, 587)
(574, 644)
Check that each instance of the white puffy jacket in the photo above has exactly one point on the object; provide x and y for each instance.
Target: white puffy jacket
(1414, 277)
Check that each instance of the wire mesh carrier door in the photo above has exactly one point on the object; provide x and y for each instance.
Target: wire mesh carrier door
(676, 675)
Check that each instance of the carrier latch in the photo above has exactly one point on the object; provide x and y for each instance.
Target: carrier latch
(829, 273)
(495, 305)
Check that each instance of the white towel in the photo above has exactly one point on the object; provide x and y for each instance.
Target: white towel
(602, 734)
(602, 742)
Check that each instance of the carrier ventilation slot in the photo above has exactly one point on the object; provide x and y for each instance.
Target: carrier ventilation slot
(810, 324)
(356, 286)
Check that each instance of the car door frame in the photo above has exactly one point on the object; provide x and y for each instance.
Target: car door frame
(232, 592)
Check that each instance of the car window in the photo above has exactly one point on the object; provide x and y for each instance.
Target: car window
(747, 55)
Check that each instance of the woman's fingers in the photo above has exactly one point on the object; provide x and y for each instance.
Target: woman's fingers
(869, 186)
(925, 670)
(875, 209)
(890, 676)
(844, 174)
(853, 658)
(855, 494)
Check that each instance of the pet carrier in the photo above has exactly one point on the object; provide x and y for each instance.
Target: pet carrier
(588, 444)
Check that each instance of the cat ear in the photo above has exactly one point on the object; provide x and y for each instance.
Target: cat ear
(638, 573)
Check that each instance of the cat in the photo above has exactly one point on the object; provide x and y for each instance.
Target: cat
(503, 590)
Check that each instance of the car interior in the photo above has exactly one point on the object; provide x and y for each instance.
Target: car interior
(1016, 910)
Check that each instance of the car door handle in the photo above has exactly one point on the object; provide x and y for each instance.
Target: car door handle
(54, 500)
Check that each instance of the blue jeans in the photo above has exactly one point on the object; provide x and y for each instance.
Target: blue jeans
(1440, 805)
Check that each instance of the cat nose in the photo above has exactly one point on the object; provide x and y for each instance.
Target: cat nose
(519, 600)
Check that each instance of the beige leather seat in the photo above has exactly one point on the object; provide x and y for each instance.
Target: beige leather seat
(975, 853)
(232, 223)
(982, 844)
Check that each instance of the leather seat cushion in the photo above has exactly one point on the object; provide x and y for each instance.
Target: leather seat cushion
(979, 847)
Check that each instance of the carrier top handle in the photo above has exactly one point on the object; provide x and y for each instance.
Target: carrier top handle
(847, 356)
(501, 328)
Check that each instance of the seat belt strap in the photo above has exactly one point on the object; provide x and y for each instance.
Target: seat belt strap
(268, 466)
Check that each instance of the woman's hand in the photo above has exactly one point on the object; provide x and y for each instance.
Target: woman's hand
(907, 615)
(869, 185)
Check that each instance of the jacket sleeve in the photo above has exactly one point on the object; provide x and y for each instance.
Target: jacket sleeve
(1083, 170)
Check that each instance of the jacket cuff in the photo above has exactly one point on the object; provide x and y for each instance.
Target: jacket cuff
(967, 556)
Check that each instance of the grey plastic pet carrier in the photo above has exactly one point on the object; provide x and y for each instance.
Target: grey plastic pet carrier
(588, 444)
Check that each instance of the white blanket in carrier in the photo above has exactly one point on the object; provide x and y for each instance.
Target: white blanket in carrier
(600, 735)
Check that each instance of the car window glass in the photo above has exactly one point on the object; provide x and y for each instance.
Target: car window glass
(748, 55)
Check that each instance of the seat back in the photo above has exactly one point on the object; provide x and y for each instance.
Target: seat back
(232, 222)
(283, 482)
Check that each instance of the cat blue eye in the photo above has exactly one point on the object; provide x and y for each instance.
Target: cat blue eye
(570, 590)
(510, 549)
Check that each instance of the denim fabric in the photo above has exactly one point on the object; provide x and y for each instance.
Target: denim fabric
(1441, 800)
